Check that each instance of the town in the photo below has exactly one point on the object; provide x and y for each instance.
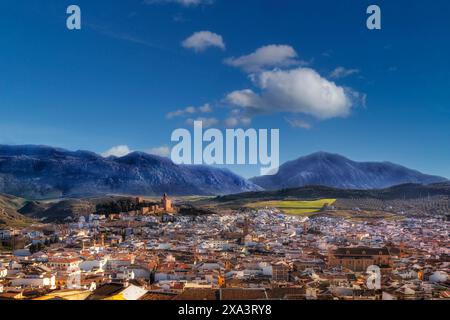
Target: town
(161, 251)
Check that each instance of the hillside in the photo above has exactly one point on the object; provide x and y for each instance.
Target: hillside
(9, 214)
(405, 191)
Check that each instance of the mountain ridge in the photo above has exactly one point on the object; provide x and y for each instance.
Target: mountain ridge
(334, 170)
(39, 172)
(42, 172)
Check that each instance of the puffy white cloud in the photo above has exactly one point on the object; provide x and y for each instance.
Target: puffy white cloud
(341, 72)
(163, 151)
(266, 57)
(206, 108)
(117, 151)
(203, 40)
(245, 98)
(300, 90)
(186, 3)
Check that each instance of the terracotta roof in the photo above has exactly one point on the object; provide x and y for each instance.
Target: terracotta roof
(361, 251)
(106, 290)
(198, 294)
(285, 293)
(158, 296)
(63, 260)
(243, 294)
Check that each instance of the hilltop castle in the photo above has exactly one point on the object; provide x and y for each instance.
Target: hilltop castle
(164, 206)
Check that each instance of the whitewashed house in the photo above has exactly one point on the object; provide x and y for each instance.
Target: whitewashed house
(44, 280)
(94, 264)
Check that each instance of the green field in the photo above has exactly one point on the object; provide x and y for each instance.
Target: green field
(305, 208)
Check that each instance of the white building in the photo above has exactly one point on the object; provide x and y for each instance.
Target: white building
(35, 281)
(93, 264)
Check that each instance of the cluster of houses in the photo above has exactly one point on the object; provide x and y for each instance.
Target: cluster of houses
(250, 254)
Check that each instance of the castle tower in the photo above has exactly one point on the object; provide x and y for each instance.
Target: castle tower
(166, 203)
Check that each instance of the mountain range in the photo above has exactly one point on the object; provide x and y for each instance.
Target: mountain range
(38, 172)
(333, 170)
(41, 172)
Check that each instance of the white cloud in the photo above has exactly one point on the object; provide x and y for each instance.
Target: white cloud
(266, 57)
(206, 122)
(341, 72)
(300, 90)
(203, 40)
(298, 123)
(233, 121)
(186, 3)
(181, 112)
(117, 151)
(206, 108)
(163, 151)
(238, 118)
(245, 98)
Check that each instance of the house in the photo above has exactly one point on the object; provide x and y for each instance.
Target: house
(63, 263)
(280, 273)
(34, 279)
(65, 294)
(198, 294)
(140, 272)
(11, 295)
(118, 291)
(94, 264)
(120, 260)
(229, 294)
(210, 266)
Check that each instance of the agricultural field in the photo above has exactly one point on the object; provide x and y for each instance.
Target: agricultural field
(305, 208)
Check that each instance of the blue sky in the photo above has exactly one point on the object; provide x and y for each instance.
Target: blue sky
(115, 81)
